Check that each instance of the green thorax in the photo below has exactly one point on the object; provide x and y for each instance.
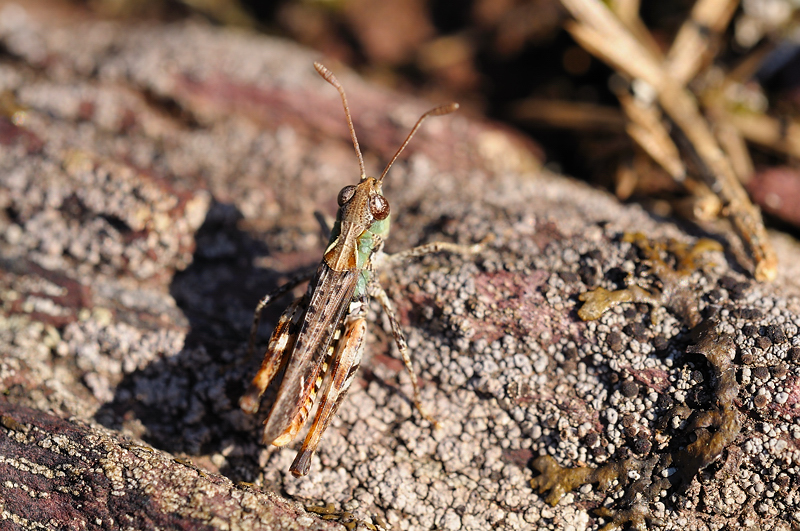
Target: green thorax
(365, 246)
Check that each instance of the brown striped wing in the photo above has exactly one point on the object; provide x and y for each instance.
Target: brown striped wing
(330, 294)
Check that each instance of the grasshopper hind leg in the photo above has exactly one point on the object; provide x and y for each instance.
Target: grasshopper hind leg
(280, 347)
(344, 364)
(301, 416)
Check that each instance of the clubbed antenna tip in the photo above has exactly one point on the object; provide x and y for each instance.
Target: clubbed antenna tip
(330, 78)
(436, 111)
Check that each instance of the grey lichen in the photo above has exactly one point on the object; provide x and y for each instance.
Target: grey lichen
(713, 430)
(672, 290)
(155, 353)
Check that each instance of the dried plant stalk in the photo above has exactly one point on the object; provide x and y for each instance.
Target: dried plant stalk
(692, 47)
(733, 142)
(572, 115)
(768, 131)
(602, 34)
(647, 130)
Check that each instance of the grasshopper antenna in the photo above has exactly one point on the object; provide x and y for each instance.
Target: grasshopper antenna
(330, 78)
(436, 111)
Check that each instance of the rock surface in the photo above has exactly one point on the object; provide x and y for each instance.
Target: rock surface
(155, 181)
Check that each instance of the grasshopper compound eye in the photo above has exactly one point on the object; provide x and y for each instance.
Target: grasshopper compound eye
(378, 207)
(346, 194)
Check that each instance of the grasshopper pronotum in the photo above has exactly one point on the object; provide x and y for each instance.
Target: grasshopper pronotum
(320, 337)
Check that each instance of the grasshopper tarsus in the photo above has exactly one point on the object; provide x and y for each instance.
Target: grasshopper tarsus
(435, 424)
(301, 464)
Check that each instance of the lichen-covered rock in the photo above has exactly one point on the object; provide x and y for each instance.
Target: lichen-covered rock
(69, 474)
(156, 180)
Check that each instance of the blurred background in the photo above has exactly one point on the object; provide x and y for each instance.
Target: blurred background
(512, 61)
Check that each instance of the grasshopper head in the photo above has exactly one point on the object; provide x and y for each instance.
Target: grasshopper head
(362, 206)
(363, 201)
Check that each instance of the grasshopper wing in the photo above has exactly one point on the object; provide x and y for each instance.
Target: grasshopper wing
(330, 294)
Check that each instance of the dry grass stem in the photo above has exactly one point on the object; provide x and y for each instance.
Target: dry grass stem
(602, 34)
(692, 48)
(572, 115)
(647, 129)
(768, 131)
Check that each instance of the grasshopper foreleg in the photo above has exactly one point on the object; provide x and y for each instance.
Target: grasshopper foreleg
(323, 225)
(375, 290)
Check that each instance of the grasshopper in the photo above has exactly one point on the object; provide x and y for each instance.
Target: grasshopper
(320, 338)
